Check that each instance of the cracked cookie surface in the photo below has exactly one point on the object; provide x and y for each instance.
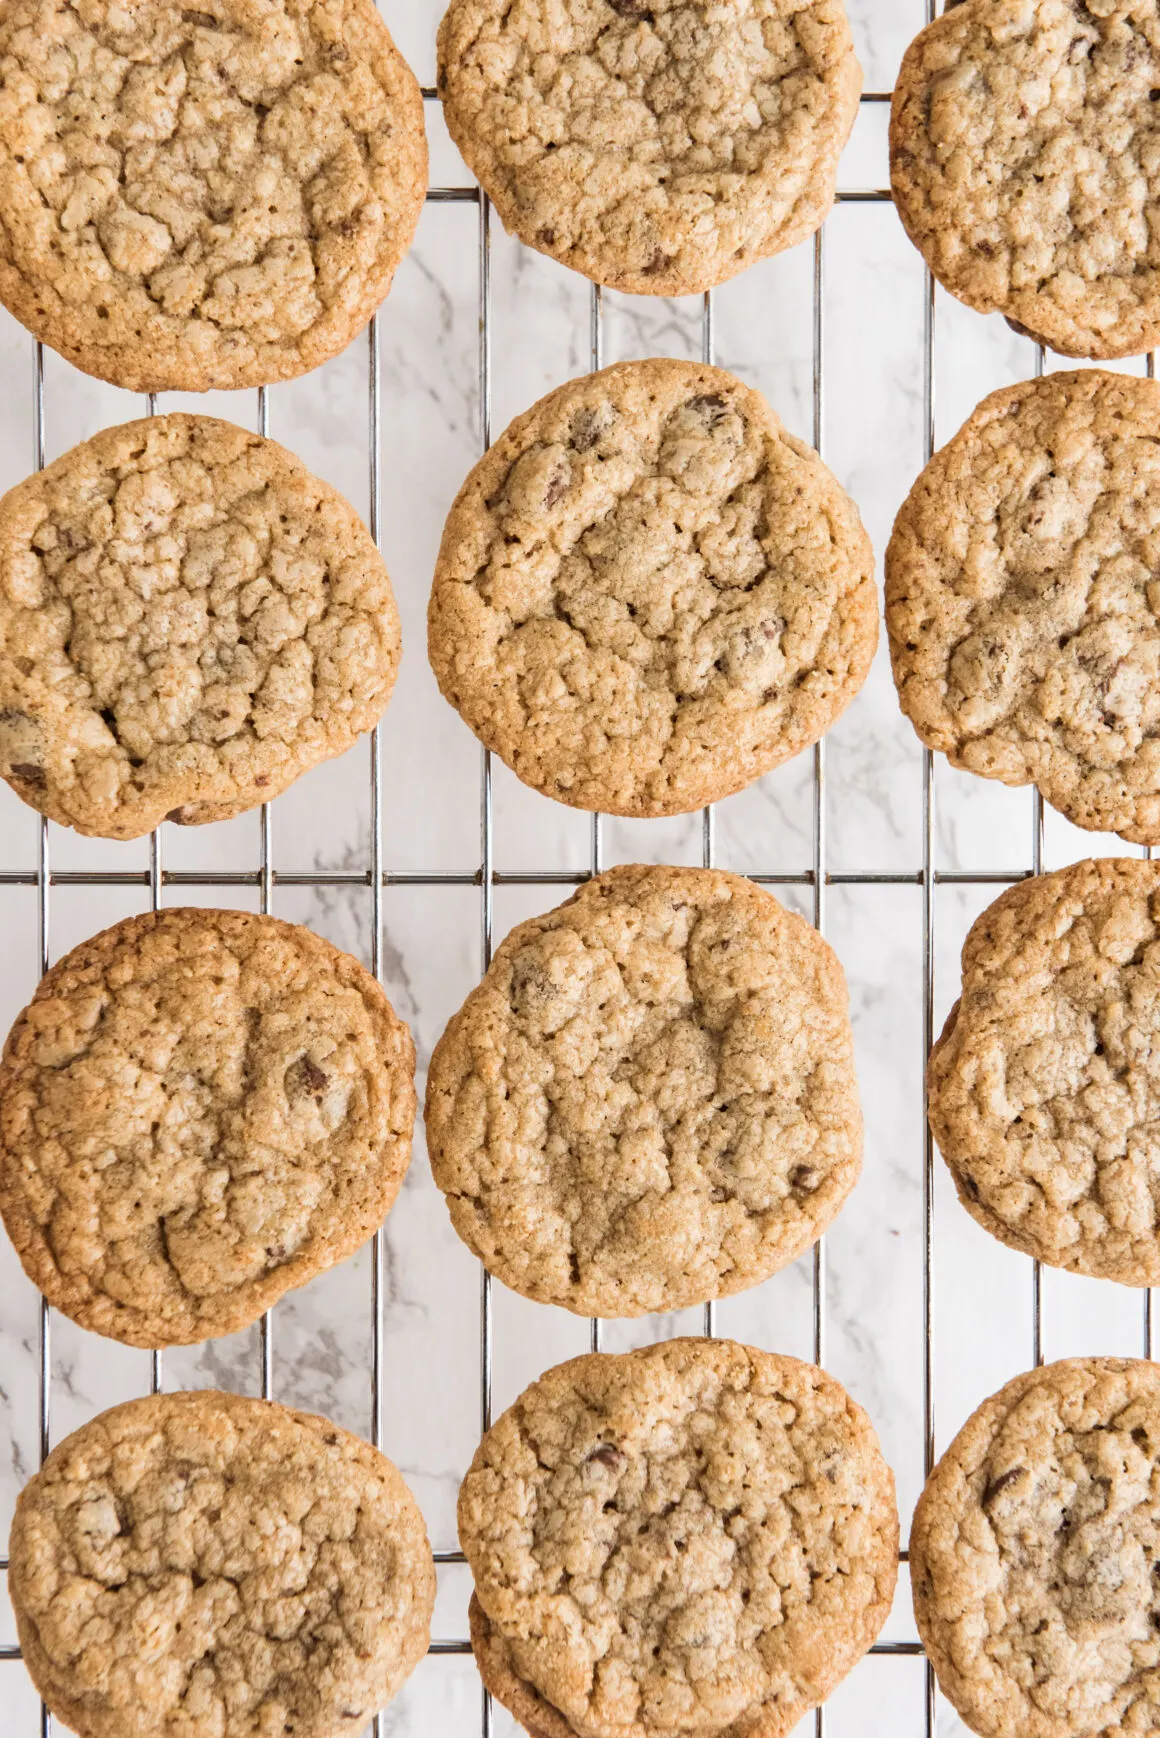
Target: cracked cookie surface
(188, 621)
(1033, 1552)
(210, 196)
(648, 593)
(1025, 165)
(650, 1100)
(199, 1110)
(1044, 1089)
(693, 1538)
(658, 146)
(1021, 597)
(209, 1566)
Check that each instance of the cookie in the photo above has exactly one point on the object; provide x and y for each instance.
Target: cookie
(648, 593)
(1025, 166)
(650, 1100)
(198, 1111)
(696, 1537)
(207, 1566)
(1021, 597)
(1032, 1556)
(210, 196)
(188, 620)
(659, 146)
(1043, 1091)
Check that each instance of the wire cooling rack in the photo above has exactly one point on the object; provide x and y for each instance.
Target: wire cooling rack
(379, 876)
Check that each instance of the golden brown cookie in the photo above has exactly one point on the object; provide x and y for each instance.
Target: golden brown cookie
(659, 146)
(203, 196)
(1044, 1089)
(1025, 165)
(208, 1566)
(650, 1100)
(199, 1110)
(648, 593)
(696, 1537)
(188, 620)
(1021, 597)
(1033, 1556)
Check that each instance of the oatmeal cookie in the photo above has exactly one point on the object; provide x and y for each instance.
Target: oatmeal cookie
(650, 1100)
(1025, 165)
(648, 593)
(208, 1566)
(696, 1537)
(198, 1111)
(1033, 1556)
(1021, 597)
(203, 196)
(659, 146)
(188, 620)
(1044, 1089)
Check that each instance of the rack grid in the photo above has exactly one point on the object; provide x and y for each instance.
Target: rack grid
(487, 877)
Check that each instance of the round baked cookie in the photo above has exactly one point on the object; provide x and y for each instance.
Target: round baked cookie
(693, 1538)
(659, 146)
(190, 1565)
(1044, 1089)
(1032, 1556)
(199, 1110)
(1025, 165)
(210, 196)
(650, 1100)
(188, 621)
(1021, 597)
(648, 593)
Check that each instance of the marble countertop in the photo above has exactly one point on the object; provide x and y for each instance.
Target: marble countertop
(873, 430)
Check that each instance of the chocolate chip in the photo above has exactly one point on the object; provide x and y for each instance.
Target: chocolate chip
(803, 1177)
(178, 816)
(546, 237)
(607, 1455)
(1001, 1483)
(588, 425)
(557, 487)
(708, 404)
(633, 9)
(29, 775)
(657, 263)
(305, 1076)
(969, 1187)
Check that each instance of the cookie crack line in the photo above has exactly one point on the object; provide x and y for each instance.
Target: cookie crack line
(187, 207)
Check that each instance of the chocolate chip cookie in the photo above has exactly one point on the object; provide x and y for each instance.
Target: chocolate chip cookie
(210, 196)
(658, 146)
(1021, 597)
(650, 1100)
(1025, 165)
(188, 620)
(207, 1566)
(696, 1537)
(198, 1111)
(648, 593)
(1043, 1091)
(1033, 1552)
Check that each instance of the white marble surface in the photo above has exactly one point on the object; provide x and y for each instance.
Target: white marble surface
(873, 438)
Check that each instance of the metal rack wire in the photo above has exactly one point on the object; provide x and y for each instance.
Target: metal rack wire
(379, 876)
